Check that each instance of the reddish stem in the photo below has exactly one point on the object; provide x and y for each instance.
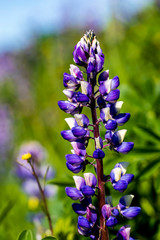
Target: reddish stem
(103, 234)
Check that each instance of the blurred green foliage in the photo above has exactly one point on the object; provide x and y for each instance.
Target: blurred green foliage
(132, 51)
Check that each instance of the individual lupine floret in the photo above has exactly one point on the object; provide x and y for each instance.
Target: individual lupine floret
(125, 209)
(124, 233)
(87, 226)
(72, 81)
(77, 131)
(110, 115)
(75, 163)
(110, 213)
(119, 178)
(70, 107)
(115, 139)
(85, 187)
(108, 88)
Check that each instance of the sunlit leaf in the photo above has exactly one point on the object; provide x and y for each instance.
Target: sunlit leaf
(61, 182)
(25, 235)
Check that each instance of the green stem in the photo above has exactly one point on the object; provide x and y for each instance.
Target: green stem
(43, 198)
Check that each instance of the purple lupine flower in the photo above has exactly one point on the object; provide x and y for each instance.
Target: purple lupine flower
(124, 233)
(119, 178)
(88, 54)
(125, 209)
(83, 188)
(87, 226)
(110, 213)
(116, 141)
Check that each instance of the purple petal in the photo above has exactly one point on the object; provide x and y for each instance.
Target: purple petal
(101, 102)
(115, 82)
(79, 208)
(81, 55)
(86, 201)
(67, 106)
(74, 159)
(98, 154)
(113, 95)
(99, 62)
(112, 221)
(108, 135)
(83, 223)
(68, 135)
(73, 193)
(116, 139)
(74, 169)
(79, 148)
(91, 214)
(111, 124)
(82, 98)
(115, 212)
(79, 131)
(103, 76)
(120, 186)
(88, 191)
(122, 118)
(125, 147)
(124, 233)
(128, 177)
(106, 211)
(131, 212)
(69, 81)
(82, 120)
(75, 71)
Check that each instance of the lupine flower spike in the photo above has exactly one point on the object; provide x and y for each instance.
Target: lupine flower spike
(94, 221)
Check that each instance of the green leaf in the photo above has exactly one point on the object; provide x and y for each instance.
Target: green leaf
(146, 150)
(48, 238)
(149, 169)
(6, 210)
(149, 132)
(25, 235)
(61, 182)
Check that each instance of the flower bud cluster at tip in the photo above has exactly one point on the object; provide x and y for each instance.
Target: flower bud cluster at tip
(88, 54)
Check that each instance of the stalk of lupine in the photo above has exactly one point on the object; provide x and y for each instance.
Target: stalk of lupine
(88, 54)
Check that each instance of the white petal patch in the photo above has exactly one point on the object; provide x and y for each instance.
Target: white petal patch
(117, 173)
(123, 166)
(84, 86)
(97, 143)
(71, 122)
(79, 181)
(121, 135)
(118, 106)
(107, 113)
(107, 85)
(79, 119)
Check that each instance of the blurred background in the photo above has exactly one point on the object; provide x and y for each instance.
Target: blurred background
(37, 39)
